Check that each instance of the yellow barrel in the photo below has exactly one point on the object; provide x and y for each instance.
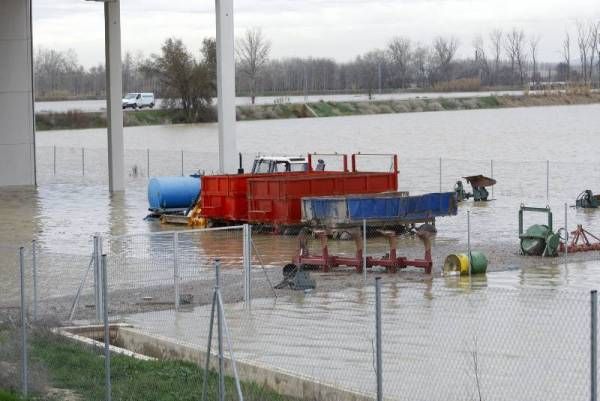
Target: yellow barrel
(459, 263)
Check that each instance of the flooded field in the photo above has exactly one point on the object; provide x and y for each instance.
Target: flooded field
(529, 330)
(69, 206)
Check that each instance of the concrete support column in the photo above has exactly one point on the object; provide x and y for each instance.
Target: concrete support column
(226, 86)
(17, 138)
(114, 94)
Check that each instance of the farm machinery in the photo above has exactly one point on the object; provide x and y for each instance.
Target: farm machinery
(478, 187)
(541, 240)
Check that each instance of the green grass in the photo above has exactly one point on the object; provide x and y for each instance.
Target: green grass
(80, 368)
(489, 101)
(6, 396)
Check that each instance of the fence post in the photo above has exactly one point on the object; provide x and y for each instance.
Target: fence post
(547, 181)
(440, 174)
(54, 159)
(469, 239)
(24, 357)
(176, 269)
(97, 276)
(594, 346)
(104, 275)
(492, 175)
(148, 162)
(247, 261)
(364, 253)
(34, 277)
(83, 162)
(220, 335)
(378, 350)
(566, 233)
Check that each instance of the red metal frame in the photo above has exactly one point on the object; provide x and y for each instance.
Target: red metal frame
(580, 241)
(392, 155)
(391, 261)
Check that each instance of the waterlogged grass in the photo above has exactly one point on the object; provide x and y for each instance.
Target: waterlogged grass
(81, 369)
(79, 120)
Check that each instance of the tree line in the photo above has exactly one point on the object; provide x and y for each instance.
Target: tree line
(498, 58)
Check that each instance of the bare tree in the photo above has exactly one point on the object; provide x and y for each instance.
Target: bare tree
(444, 51)
(253, 53)
(582, 43)
(421, 57)
(399, 50)
(566, 54)
(481, 60)
(534, 42)
(514, 46)
(496, 46)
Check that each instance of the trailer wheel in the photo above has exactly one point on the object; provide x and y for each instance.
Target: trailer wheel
(289, 270)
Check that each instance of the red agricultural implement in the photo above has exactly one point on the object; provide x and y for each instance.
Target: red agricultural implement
(391, 262)
(581, 241)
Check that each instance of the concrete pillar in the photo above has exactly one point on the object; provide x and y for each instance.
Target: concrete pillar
(114, 94)
(17, 138)
(226, 87)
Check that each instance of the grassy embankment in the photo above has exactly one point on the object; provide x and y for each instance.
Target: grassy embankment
(79, 369)
(79, 120)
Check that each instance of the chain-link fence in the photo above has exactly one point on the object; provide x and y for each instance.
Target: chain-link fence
(156, 296)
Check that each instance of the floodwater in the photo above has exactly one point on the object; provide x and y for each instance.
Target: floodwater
(100, 105)
(530, 344)
(72, 201)
(519, 141)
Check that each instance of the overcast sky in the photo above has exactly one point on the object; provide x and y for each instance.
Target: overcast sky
(319, 28)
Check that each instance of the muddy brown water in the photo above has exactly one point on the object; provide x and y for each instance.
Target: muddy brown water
(68, 207)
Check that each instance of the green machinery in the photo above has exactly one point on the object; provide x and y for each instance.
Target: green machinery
(587, 200)
(478, 185)
(539, 239)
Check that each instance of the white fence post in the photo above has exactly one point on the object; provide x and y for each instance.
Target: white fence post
(247, 261)
(176, 280)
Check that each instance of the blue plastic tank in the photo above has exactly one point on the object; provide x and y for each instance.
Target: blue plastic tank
(173, 192)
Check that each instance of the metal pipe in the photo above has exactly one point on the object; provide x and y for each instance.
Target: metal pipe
(492, 175)
(148, 162)
(24, 357)
(106, 328)
(247, 261)
(34, 273)
(364, 252)
(231, 355)
(566, 233)
(176, 269)
(547, 181)
(440, 174)
(594, 346)
(378, 339)
(208, 347)
(220, 334)
(182, 163)
(469, 239)
(96, 257)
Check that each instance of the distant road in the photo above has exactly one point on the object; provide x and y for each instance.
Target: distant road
(99, 105)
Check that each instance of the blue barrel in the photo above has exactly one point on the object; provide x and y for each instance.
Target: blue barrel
(173, 192)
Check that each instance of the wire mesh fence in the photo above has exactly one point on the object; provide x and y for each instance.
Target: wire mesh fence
(437, 341)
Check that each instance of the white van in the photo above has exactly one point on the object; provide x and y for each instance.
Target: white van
(138, 100)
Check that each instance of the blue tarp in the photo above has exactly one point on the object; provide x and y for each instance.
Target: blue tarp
(378, 207)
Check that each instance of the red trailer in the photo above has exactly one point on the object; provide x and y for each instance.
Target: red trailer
(276, 198)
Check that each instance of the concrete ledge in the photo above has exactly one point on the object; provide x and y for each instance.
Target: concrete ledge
(281, 381)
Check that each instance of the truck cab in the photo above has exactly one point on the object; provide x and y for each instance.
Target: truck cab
(279, 164)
